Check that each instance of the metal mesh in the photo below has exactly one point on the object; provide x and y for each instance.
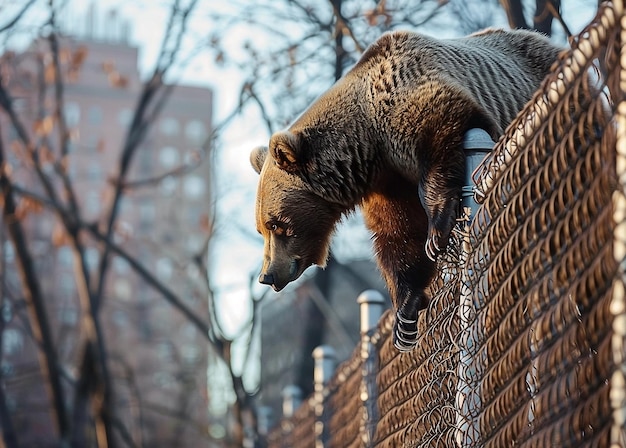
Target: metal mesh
(524, 341)
(417, 389)
(542, 264)
(344, 405)
(297, 431)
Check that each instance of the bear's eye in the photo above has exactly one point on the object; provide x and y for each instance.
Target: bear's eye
(279, 228)
(275, 228)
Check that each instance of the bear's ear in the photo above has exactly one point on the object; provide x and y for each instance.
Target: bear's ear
(257, 158)
(285, 149)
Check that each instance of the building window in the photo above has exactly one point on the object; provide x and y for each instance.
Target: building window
(192, 271)
(195, 131)
(95, 115)
(165, 351)
(193, 216)
(6, 311)
(120, 318)
(68, 316)
(145, 161)
(64, 257)
(12, 341)
(66, 285)
(91, 258)
(122, 289)
(169, 157)
(147, 213)
(124, 117)
(168, 186)
(190, 353)
(94, 172)
(92, 143)
(170, 127)
(194, 242)
(164, 268)
(72, 169)
(194, 187)
(92, 202)
(9, 252)
(164, 380)
(145, 329)
(193, 157)
(71, 111)
(120, 265)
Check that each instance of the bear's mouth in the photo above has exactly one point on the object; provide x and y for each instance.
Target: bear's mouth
(276, 283)
(294, 271)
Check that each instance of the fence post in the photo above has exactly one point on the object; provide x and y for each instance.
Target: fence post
(372, 304)
(264, 420)
(292, 398)
(477, 145)
(324, 357)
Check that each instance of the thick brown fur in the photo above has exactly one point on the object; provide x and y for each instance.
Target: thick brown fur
(388, 137)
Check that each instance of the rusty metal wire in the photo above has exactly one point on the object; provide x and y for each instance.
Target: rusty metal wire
(524, 342)
(345, 404)
(417, 389)
(542, 260)
(297, 431)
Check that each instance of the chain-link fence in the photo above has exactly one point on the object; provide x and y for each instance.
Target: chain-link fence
(523, 343)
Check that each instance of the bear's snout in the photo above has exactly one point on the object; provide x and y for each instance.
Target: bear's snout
(273, 280)
(279, 276)
(266, 279)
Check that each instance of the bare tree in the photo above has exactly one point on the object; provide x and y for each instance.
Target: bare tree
(95, 393)
(287, 66)
(545, 11)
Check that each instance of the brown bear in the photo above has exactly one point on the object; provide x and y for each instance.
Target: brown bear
(388, 137)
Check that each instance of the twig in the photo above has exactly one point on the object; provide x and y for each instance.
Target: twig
(17, 17)
(34, 299)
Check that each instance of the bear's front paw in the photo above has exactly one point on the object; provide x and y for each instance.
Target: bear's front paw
(404, 332)
(433, 245)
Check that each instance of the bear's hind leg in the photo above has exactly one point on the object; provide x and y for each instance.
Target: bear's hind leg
(405, 326)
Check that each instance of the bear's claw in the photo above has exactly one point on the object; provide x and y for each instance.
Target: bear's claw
(404, 333)
(432, 247)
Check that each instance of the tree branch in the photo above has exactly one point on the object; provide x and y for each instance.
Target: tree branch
(515, 13)
(35, 302)
(18, 16)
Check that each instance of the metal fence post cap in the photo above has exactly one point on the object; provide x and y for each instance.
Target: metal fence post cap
(291, 390)
(292, 397)
(370, 296)
(372, 304)
(477, 138)
(324, 351)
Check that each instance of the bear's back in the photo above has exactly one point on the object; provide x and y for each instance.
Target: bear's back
(500, 69)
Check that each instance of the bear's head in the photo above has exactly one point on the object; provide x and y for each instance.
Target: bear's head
(296, 223)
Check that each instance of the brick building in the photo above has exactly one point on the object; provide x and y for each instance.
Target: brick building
(158, 359)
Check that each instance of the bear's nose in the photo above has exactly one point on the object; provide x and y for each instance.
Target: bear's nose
(266, 279)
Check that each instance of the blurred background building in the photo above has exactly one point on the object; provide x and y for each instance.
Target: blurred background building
(321, 310)
(156, 356)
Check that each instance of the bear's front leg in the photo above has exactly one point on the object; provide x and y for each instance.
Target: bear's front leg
(440, 192)
(399, 224)
(444, 216)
